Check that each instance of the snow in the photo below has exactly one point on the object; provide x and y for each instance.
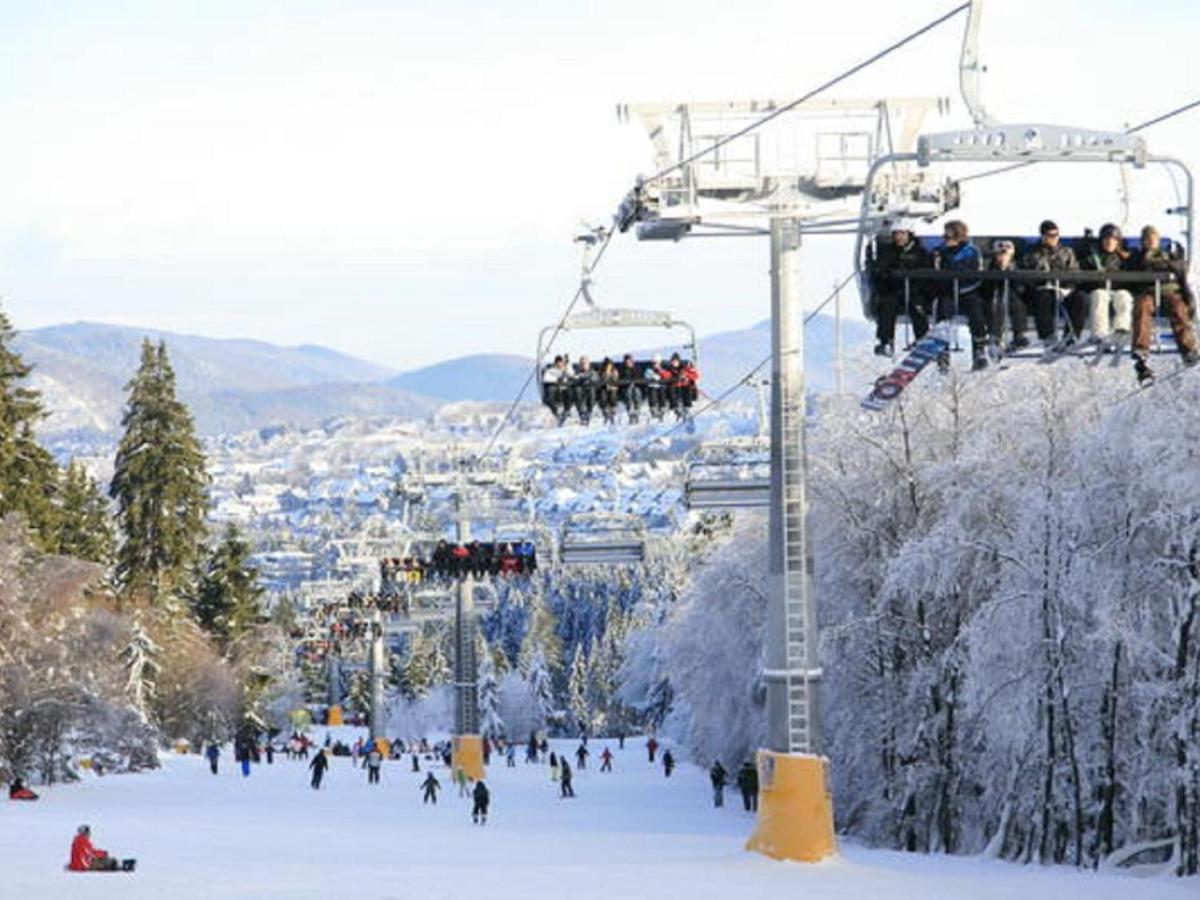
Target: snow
(628, 835)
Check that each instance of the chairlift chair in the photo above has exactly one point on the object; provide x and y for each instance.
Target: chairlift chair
(729, 474)
(596, 317)
(600, 537)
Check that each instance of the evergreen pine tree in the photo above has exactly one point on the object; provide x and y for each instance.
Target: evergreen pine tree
(491, 724)
(159, 482)
(541, 687)
(226, 599)
(28, 473)
(140, 658)
(85, 529)
(542, 635)
(577, 690)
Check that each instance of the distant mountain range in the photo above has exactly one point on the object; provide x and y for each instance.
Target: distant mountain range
(234, 385)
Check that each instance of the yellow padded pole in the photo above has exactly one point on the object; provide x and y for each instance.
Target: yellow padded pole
(795, 808)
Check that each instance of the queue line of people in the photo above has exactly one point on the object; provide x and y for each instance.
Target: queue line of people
(1105, 316)
(584, 386)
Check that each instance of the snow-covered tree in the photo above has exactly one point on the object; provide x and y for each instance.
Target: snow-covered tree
(577, 691)
(140, 658)
(491, 723)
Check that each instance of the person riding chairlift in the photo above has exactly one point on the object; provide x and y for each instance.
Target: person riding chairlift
(956, 253)
(609, 390)
(1050, 255)
(1177, 299)
(656, 377)
(1110, 311)
(584, 382)
(555, 388)
(985, 307)
(903, 253)
(630, 391)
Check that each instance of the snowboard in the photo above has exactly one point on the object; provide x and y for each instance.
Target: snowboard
(892, 385)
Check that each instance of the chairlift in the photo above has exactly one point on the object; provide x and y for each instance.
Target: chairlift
(602, 537)
(729, 474)
(886, 199)
(596, 317)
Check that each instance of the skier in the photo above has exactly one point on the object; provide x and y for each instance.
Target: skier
(747, 782)
(1177, 297)
(430, 786)
(1108, 254)
(214, 755)
(668, 764)
(460, 778)
(318, 765)
(1050, 255)
(718, 776)
(956, 253)
(87, 858)
(480, 809)
(416, 765)
(243, 757)
(554, 768)
(621, 739)
(270, 752)
(581, 756)
(651, 747)
(18, 791)
(566, 789)
(510, 756)
(531, 751)
(374, 762)
(487, 751)
(985, 309)
(606, 760)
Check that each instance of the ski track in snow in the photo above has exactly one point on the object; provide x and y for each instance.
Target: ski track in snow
(630, 834)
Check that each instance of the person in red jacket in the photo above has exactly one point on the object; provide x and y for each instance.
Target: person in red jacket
(87, 858)
(18, 791)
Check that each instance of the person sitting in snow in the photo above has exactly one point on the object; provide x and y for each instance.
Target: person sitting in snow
(87, 858)
(18, 791)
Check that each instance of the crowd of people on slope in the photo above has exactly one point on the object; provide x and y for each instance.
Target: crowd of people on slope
(86, 857)
(584, 386)
(448, 561)
(1099, 313)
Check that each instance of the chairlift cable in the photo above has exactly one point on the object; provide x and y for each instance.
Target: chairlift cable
(788, 107)
(579, 292)
(741, 382)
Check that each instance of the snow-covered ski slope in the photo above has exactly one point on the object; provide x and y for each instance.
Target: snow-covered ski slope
(630, 834)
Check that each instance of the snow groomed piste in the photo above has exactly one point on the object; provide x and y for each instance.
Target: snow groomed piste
(631, 833)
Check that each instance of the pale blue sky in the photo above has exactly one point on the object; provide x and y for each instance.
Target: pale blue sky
(401, 180)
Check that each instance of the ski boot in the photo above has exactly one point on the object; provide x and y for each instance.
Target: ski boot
(1191, 357)
(943, 362)
(882, 349)
(128, 865)
(1141, 368)
(979, 358)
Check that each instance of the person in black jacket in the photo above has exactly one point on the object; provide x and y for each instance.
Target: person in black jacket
(903, 253)
(630, 391)
(719, 777)
(430, 787)
(319, 764)
(481, 797)
(747, 782)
